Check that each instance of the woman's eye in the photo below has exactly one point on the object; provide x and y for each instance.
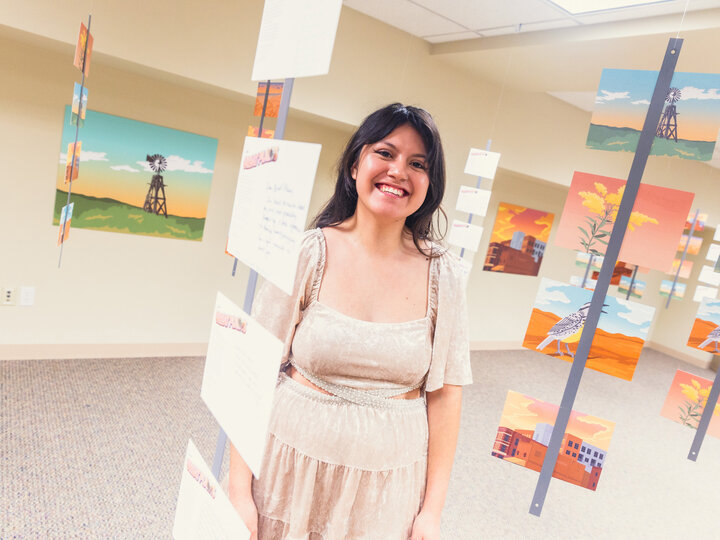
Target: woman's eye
(418, 165)
(383, 153)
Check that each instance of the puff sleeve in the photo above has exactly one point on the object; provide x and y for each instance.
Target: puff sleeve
(450, 360)
(280, 313)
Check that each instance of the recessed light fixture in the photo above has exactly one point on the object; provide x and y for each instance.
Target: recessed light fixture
(579, 7)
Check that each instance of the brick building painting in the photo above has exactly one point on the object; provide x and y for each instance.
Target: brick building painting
(518, 240)
(524, 433)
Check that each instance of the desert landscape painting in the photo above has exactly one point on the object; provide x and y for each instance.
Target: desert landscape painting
(558, 318)
(705, 332)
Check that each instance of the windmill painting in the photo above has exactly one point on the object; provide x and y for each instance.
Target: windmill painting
(558, 319)
(705, 333)
(690, 119)
(138, 178)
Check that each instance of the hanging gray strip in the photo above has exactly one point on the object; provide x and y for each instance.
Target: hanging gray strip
(705, 418)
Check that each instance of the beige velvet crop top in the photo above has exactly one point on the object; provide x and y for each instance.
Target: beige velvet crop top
(369, 355)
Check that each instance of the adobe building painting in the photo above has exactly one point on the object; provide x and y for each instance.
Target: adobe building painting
(518, 240)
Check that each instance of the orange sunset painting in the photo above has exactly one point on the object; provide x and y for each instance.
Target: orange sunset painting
(655, 226)
(525, 428)
(688, 126)
(137, 178)
(518, 240)
(686, 402)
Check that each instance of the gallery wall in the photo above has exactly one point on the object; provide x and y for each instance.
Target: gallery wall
(116, 291)
(118, 288)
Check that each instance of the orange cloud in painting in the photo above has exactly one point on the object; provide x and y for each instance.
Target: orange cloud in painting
(511, 218)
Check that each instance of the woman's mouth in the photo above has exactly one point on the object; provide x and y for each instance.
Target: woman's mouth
(391, 190)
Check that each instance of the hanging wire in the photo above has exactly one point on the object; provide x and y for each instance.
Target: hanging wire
(687, 3)
(502, 94)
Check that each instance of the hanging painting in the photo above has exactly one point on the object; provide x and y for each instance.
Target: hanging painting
(558, 318)
(524, 433)
(518, 240)
(705, 333)
(138, 178)
(655, 226)
(688, 127)
(686, 402)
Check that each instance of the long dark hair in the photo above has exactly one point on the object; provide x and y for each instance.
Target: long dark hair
(373, 129)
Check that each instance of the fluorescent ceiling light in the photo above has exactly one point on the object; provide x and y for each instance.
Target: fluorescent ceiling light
(577, 7)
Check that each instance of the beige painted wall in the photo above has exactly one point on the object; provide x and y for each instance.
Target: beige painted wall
(195, 75)
(117, 288)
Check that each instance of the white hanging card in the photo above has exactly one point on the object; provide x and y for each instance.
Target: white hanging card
(241, 368)
(473, 201)
(296, 38)
(203, 510)
(271, 205)
(482, 163)
(465, 235)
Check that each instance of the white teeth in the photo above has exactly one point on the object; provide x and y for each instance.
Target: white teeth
(394, 191)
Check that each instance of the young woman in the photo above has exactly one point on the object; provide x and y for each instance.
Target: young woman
(367, 407)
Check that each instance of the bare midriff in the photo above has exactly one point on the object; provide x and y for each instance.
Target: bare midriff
(295, 375)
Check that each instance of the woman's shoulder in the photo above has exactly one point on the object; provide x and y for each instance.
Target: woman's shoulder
(312, 247)
(448, 262)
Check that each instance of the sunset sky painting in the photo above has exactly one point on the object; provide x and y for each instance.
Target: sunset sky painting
(622, 102)
(114, 172)
(686, 399)
(511, 218)
(518, 240)
(524, 432)
(655, 227)
(619, 337)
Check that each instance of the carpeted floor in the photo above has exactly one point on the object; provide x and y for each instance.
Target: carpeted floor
(93, 449)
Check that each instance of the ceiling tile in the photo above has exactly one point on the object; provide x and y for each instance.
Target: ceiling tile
(456, 36)
(638, 12)
(476, 14)
(406, 16)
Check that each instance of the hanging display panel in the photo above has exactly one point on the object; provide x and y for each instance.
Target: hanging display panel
(688, 126)
(518, 240)
(558, 318)
(138, 178)
(655, 226)
(524, 433)
(686, 400)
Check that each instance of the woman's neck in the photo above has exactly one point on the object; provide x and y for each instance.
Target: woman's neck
(375, 237)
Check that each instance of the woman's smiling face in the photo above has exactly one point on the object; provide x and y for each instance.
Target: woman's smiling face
(391, 175)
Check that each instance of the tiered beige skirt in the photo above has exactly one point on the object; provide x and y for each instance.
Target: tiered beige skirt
(335, 470)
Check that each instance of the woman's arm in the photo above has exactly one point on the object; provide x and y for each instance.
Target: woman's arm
(443, 407)
(240, 491)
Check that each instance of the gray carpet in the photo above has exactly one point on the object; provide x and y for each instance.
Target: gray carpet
(93, 449)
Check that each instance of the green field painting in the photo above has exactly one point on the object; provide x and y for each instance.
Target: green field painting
(114, 216)
(626, 140)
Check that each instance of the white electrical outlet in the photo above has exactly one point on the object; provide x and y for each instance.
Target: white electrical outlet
(8, 296)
